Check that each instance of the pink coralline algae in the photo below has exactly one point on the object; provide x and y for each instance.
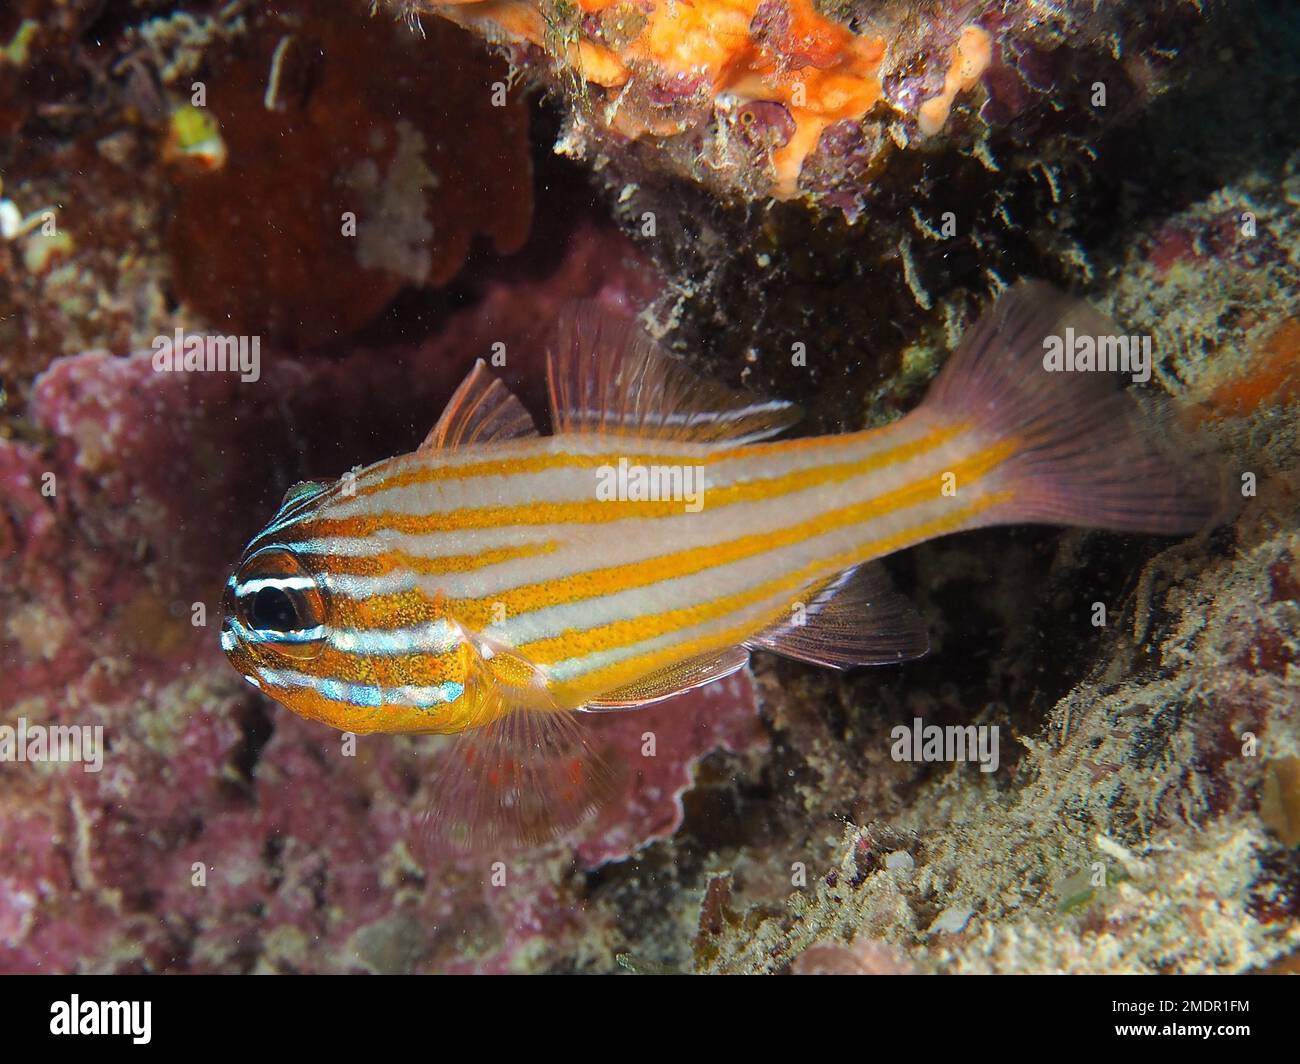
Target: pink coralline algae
(222, 833)
(648, 805)
(861, 958)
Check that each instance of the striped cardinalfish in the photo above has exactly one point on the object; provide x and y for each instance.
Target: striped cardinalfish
(497, 583)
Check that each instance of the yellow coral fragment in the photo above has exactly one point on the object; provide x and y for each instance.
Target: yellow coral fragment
(970, 58)
(194, 138)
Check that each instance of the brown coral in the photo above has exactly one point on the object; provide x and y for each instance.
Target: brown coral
(347, 178)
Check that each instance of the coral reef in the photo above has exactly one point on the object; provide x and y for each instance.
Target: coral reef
(852, 177)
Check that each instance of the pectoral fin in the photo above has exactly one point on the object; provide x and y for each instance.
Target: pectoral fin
(674, 680)
(518, 782)
(525, 771)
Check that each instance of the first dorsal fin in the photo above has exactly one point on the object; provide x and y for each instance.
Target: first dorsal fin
(856, 619)
(482, 410)
(607, 376)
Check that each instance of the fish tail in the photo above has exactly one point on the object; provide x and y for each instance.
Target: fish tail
(1075, 447)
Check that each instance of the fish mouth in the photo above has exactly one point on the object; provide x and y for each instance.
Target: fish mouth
(229, 638)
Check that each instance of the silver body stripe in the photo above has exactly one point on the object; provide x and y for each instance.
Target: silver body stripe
(363, 694)
(573, 484)
(590, 547)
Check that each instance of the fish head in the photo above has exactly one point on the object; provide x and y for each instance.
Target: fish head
(326, 656)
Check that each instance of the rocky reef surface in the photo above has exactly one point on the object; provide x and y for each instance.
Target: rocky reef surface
(373, 195)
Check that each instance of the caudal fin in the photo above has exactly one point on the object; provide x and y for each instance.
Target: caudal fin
(1084, 451)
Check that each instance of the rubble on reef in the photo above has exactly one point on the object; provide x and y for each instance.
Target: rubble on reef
(778, 174)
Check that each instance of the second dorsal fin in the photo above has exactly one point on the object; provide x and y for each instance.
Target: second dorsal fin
(482, 410)
(856, 619)
(607, 376)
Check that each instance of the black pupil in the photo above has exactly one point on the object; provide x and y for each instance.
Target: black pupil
(273, 611)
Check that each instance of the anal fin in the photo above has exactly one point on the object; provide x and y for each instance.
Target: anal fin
(856, 619)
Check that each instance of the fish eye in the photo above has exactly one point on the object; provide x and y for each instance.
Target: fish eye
(280, 604)
(274, 610)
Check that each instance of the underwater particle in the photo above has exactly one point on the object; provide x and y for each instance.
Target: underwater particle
(952, 921)
(900, 861)
(1279, 799)
(194, 139)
